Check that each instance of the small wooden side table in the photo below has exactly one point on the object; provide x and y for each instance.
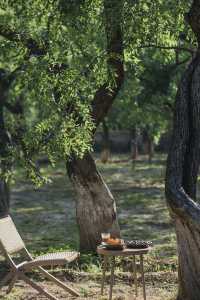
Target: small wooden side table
(125, 252)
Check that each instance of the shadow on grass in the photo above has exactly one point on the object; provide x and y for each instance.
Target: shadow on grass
(45, 217)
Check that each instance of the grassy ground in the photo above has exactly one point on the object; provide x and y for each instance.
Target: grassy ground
(45, 218)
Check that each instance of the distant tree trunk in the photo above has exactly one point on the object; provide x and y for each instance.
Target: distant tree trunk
(5, 140)
(134, 144)
(4, 186)
(148, 144)
(182, 171)
(95, 206)
(145, 141)
(151, 149)
(105, 153)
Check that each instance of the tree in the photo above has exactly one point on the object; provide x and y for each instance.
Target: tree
(96, 209)
(182, 170)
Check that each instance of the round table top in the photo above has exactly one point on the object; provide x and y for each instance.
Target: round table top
(125, 252)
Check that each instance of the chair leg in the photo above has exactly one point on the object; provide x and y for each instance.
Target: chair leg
(58, 282)
(37, 287)
(6, 279)
(11, 285)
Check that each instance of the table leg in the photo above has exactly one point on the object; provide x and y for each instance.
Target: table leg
(142, 273)
(112, 276)
(134, 269)
(103, 274)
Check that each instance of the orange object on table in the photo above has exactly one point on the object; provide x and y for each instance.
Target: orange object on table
(112, 241)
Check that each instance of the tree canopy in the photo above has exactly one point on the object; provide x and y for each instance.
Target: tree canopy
(53, 59)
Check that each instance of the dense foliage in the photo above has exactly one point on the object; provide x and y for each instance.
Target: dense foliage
(159, 44)
(53, 58)
(148, 96)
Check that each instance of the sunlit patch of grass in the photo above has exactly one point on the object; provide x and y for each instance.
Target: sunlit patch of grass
(15, 295)
(27, 210)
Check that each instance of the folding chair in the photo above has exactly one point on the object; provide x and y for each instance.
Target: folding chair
(11, 243)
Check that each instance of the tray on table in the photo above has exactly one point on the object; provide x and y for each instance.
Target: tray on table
(138, 244)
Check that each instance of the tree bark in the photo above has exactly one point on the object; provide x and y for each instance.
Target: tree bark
(105, 152)
(188, 251)
(182, 172)
(95, 205)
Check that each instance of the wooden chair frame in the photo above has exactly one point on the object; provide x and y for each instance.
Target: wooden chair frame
(18, 271)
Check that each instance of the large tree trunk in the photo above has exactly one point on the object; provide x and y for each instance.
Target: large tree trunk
(188, 239)
(95, 206)
(182, 172)
(181, 176)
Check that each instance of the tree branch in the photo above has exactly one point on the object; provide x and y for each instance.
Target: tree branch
(105, 96)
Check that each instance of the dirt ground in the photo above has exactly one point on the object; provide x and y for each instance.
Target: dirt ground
(89, 290)
(157, 288)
